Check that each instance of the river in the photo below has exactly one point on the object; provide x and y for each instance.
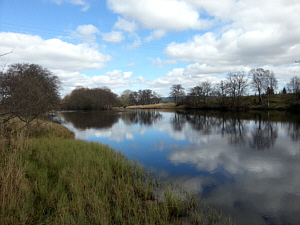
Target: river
(245, 164)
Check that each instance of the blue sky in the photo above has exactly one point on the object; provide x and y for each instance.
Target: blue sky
(139, 44)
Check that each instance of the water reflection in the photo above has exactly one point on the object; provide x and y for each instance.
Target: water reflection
(212, 154)
(294, 129)
(263, 132)
(235, 130)
(91, 119)
(178, 121)
(142, 117)
(264, 135)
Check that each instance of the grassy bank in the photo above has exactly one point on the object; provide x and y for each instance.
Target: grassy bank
(273, 102)
(48, 177)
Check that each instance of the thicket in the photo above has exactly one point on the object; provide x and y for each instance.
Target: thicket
(90, 99)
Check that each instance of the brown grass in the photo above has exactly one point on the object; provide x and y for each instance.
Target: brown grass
(169, 105)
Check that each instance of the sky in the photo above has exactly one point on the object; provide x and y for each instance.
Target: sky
(151, 44)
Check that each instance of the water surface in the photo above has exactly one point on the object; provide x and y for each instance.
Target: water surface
(247, 164)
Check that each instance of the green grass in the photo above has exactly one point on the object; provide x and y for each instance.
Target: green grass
(48, 177)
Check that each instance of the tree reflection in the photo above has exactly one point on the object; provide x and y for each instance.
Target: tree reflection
(91, 119)
(178, 121)
(294, 131)
(235, 128)
(230, 126)
(202, 123)
(142, 117)
(264, 135)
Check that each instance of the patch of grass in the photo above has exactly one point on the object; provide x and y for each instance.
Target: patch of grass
(50, 179)
(169, 105)
(37, 128)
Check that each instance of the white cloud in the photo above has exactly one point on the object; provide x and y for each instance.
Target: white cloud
(268, 34)
(127, 75)
(248, 37)
(159, 63)
(85, 5)
(51, 53)
(160, 14)
(130, 27)
(113, 37)
(70, 80)
(86, 33)
(156, 34)
(136, 43)
(125, 25)
(113, 79)
(246, 34)
(188, 77)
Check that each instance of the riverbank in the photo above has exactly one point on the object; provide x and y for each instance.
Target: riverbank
(169, 105)
(48, 177)
(273, 102)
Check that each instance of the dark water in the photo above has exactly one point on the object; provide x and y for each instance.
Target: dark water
(246, 164)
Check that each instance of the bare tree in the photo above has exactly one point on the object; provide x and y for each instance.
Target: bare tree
(156, 98)
(202, 91)
(294, 85)
(263, 81)
(258, 81)
(207, 88)
(142, 97)
(221, 90)
(28, 91)
(272, 83)
(177, 92)
(237, 85)
(196, 94)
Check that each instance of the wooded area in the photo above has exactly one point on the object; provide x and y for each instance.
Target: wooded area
(90, 99)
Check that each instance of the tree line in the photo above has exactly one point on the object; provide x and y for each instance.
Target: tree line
(141, 97)
(28, 91)
(237, 84)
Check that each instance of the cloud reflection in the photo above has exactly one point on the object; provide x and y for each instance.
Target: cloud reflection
(249, 165)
